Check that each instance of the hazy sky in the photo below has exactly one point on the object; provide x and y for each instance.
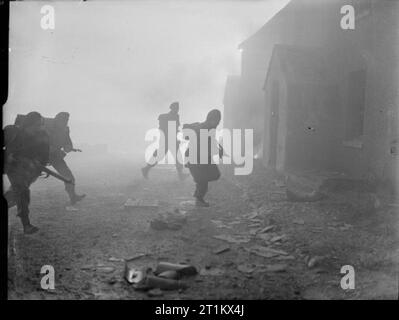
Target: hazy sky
(116, 65)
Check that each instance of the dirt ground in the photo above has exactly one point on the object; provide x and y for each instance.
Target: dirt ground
(314, 239)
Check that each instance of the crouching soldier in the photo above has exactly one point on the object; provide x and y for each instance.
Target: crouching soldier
(203, 173)
(26, 150)
(60, 145)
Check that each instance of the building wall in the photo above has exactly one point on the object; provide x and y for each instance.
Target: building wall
(375, 40)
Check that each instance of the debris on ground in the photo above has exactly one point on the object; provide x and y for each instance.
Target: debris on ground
(152, 282)
(169, 220)
(265, 236)
(234, 222)
(233, 238)
(313, 261)
(113, 259)
(165, 276)
(154, 293)
(105, 269)
(279, 267)
(180, 269)
(138, 256)
(266, 229)
(169, 274)
(211, 272)
(220, 224)
(133, 275)
(221, 249)
(298, 221)
(265, 252)
(278, 238)
(246, 268)
(251, 215)
(187, 204)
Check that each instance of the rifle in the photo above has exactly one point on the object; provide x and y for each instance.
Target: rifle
(55, 175)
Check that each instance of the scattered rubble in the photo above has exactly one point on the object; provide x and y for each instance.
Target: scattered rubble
(220, 224)
(221, 249)
(169, 274)
(169, 221)
(278, 238)
(187, 204)
(265, 252)
(154, 293)
(251, 215)
(313, 261)
(113, 259)
(298, 221)
(279, 267)
(105, 269)
(165, 277)
(138, 256)
(233, 238)
(180, 269)
(264, 236)
(267, 229)
(211, 272)
(246, 268)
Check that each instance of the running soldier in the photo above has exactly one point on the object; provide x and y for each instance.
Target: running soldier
(164, 119)
(60, 145)
(26, 150)
(204, 173)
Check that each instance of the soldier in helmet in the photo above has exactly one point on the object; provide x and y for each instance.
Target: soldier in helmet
(26, 149)
(164, 120)
(60, 145)
(203, 173)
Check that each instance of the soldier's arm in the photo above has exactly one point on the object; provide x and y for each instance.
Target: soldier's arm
(68, 146)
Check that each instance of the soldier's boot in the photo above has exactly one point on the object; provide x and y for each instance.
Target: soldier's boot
(145, 171)
(74, 198)
(27, 226)
(200, 191)
(201, 203)
(30, 229)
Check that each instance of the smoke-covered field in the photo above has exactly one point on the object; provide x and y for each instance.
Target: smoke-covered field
(314, 240)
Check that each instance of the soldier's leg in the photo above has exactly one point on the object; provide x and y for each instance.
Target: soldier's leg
(178, 158)
(147, 168)
(9, 196)
(200, 191)
(62, 168)
(21, 193)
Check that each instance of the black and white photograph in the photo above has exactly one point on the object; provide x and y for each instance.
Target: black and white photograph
(195, 150)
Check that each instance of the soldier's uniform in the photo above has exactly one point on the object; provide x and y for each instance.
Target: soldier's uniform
(164, 119)
(60, 145)
(26, 150)
(204, 173)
